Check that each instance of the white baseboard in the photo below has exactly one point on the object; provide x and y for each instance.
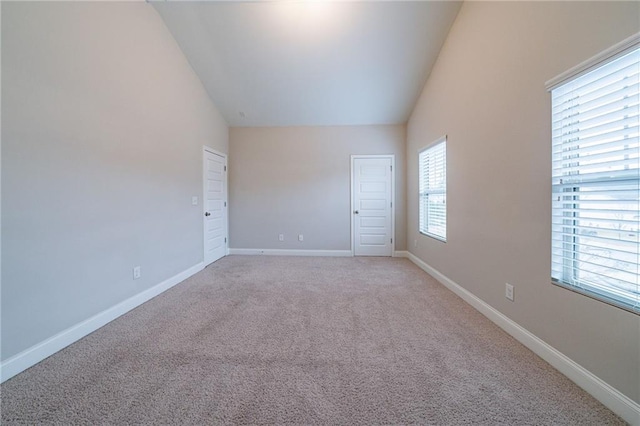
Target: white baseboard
(46, 348)
(278, 252)
(616, 401)
(401, 253)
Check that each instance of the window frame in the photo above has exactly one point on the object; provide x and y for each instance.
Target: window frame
(606, 293)
(432, 145)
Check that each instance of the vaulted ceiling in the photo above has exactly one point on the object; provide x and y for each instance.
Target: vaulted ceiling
(312, 63)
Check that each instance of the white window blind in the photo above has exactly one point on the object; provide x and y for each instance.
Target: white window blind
(432, 169)
(596, 182)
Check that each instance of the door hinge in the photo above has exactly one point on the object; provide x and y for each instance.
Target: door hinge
(225, 204)
(392, 241)
(225, 240)
(391, 168)
(225, 168)
(391, 204)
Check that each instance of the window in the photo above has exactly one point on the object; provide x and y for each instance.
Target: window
(596, 181)
(432, 169)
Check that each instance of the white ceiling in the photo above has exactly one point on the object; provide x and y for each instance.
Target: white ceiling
(311, 63)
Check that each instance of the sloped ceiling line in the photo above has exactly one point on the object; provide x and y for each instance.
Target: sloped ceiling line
(311, 63)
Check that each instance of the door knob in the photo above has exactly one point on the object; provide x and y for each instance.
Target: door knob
(207, 214)
(355, 212)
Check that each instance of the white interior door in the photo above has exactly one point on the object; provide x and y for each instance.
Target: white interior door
(215, 206)
(372, 206)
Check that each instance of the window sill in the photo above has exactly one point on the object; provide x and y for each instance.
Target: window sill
(598, 297)
(435, 237)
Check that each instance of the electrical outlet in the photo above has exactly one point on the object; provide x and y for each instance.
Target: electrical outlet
(281, 237)
(136, 273)
(508, 291)
(300, 237)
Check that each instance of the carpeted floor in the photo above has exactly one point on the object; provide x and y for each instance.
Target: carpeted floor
(294, 340)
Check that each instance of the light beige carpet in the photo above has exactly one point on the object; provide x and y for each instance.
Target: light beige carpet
(292, 340)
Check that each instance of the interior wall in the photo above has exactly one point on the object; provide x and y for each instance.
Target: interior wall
(102, 134)
(487, 93)
(296, 180)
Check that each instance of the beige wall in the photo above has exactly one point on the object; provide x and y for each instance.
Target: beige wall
(487, 92)
(102, 131)
(296, 180)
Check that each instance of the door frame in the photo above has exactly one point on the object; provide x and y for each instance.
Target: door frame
(392, 157)
(210, 150)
